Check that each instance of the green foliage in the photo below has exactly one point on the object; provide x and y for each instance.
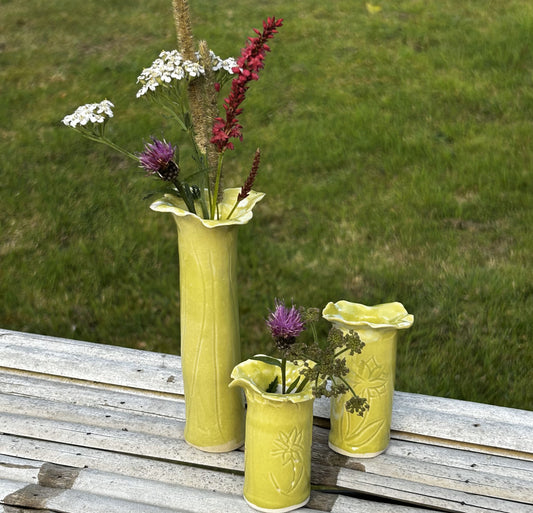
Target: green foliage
(396, 158)
(322, 362)
(329, 374)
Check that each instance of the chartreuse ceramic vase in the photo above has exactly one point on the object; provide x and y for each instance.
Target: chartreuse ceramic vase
(371, 376)
(277, 456)
(209, 320)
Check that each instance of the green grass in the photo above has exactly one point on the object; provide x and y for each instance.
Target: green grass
(397, 164)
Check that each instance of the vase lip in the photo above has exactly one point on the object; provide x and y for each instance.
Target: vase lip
(255, 376)
(242, 214)
(383, 316)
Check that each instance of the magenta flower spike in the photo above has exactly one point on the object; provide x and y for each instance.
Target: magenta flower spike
(248, 66)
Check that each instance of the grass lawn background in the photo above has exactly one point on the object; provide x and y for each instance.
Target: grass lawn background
(396, 159)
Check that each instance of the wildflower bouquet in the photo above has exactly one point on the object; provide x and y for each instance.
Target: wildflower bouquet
(186, 84)
(322, 366)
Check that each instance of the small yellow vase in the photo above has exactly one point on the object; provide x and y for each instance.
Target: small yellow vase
(371, 376)
(279, 427)
(209, 320)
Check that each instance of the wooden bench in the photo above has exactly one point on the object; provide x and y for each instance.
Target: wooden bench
(93, 428)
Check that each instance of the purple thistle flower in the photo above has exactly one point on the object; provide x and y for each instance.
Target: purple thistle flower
(285, 324)
(157, 159)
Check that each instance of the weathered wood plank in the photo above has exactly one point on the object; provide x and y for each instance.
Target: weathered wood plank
(450, 478)
(428, 496)
(91, 362)
(125, 431)
(345, 504)
(404, 464)
(445, 480)
(16, 509)
(465, 408)
(49, 483)
(450, 422)
(439, 418)
(16, 449)
(49, 488)
(73, 501)
(120, 412)
(115, 440)
(79, 350)
(105, 408)
(486, 464)
(481, 425)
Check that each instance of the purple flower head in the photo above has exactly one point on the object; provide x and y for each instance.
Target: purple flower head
(285, 324)
(157, 159)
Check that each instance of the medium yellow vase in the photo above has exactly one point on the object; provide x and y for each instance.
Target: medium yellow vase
(209, 319)
(279, 427)
(371, 376)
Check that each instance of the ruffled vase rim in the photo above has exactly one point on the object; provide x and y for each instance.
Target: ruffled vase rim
(356, 315)
(255, 375)
(241, 215)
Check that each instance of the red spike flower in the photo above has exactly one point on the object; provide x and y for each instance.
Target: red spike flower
(247, 187)
(248, 66)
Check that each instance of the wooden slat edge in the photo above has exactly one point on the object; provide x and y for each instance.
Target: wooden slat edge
(86, 362)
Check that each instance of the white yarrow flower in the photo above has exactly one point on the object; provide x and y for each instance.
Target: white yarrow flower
(170, 65)
(193, 68)
(227, 64)
(89, 113)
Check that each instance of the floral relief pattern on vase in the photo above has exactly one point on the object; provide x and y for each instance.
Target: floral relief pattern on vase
(371, 382)
(372, 379)
(288, 447)
(372, 376)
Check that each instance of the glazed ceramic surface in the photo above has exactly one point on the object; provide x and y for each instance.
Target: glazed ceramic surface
(210, 342)
(277, 468)
(371, 375)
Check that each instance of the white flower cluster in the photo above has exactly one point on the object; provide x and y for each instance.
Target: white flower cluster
(225, 64)
(171, 65)
(90, 113)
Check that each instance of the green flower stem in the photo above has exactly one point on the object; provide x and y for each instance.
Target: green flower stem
(283, 375)
(181, 120)
(233, 209)
(100, 138)
(185, 196)
(217, 185)
(186, 126)
(340, 352)
(293, 385)
(119, 149)
(302, 385)
(348, 385)
(315, 334)
(176, 116)
(203, 204)
(205, 185)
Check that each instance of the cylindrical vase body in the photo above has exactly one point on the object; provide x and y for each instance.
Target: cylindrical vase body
(210, 342)
(277, 457)
(371, 376)
(209, 319)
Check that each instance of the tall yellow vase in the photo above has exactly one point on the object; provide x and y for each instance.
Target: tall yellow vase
(371, 375)
(209, 319)
(277, 456)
